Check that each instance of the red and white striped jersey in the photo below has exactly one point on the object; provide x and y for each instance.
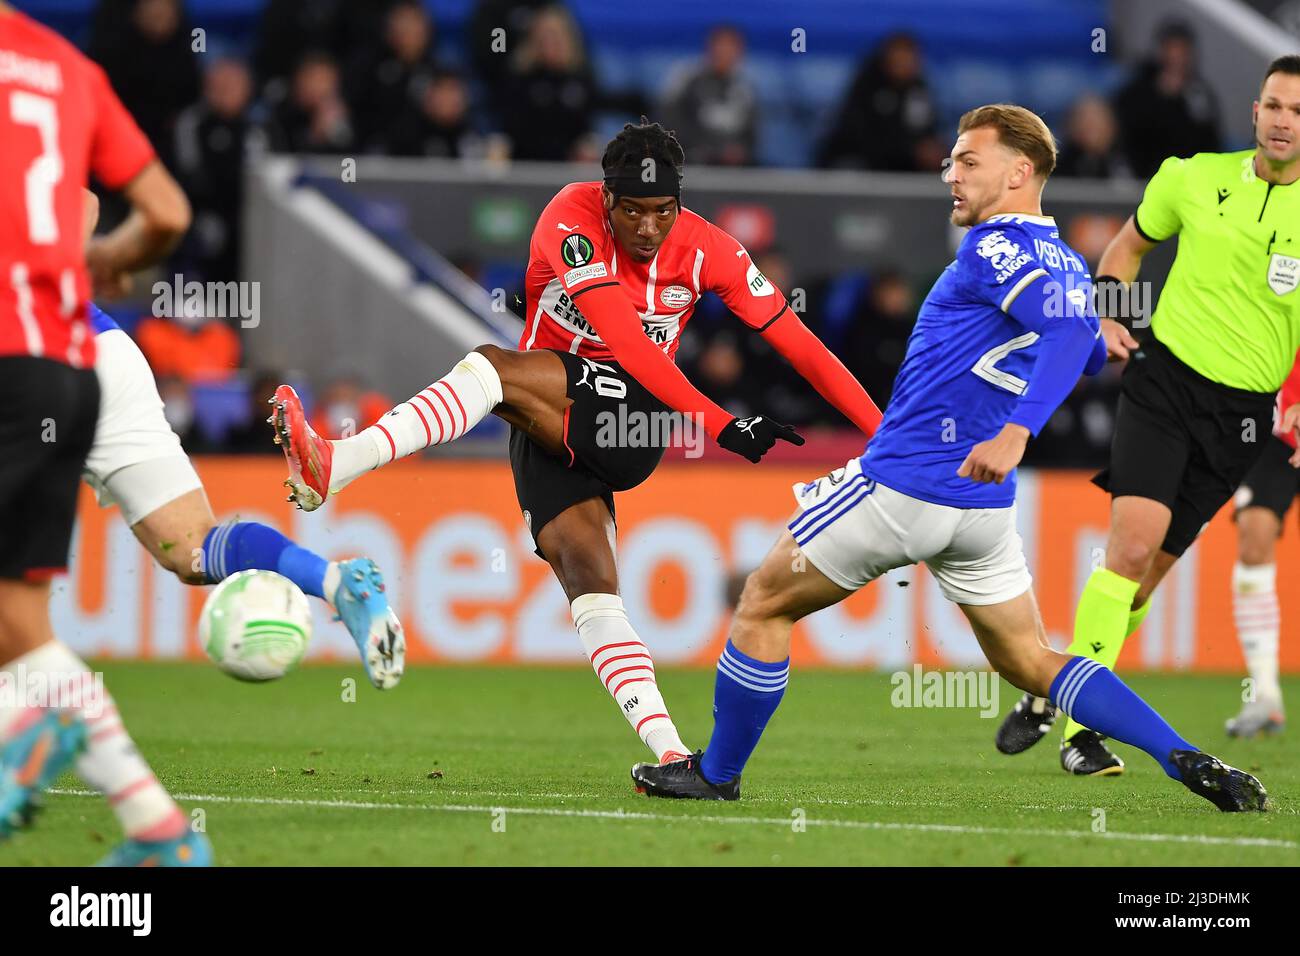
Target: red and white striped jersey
(59, 122)
(573, 248)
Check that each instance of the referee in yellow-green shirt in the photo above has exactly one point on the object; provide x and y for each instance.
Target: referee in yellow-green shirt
(1197, 398)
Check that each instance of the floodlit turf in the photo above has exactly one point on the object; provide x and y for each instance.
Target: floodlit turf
(513, 766)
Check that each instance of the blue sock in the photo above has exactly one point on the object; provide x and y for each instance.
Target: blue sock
(745, 697)
(1092, 694)
(244, 545)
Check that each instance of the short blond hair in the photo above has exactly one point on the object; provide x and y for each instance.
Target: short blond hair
(1019, 129)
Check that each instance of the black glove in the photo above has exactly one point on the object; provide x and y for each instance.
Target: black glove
(754, 437)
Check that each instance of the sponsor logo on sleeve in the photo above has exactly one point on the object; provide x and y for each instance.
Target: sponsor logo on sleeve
(757, 282)
(1283, 273)
(596, 270)
(576, 250)
(1003, 254)
(676, 296)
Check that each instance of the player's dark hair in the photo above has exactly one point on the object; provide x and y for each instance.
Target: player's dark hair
(1289, 64)
(640, 141)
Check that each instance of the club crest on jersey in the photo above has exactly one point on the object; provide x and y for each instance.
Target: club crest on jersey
(1283, 273)
(576, 250)
(1003, 254)
(676, 296)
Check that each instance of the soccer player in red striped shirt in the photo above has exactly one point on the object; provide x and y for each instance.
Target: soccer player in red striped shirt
(59, 122)
(1260, 507)
(616, 268)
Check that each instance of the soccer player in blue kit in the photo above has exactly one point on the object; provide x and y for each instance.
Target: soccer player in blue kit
(1000, 341)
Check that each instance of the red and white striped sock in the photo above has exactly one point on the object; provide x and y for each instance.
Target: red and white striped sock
(111, 763)
(1258, 618)
(441, 413)
(624, 665)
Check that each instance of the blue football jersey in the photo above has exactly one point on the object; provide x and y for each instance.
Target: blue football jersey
(969, 359)
(100, 320)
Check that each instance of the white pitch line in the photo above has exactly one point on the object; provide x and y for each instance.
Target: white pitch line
(750, 821)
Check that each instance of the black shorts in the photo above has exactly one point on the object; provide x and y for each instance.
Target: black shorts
(607, 450)
(47, 425)
(1272, 483)
(1183, 440)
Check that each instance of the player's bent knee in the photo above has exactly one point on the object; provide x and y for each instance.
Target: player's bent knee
(1132, 559)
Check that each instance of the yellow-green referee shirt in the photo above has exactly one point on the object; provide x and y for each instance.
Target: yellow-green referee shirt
(1231, 306)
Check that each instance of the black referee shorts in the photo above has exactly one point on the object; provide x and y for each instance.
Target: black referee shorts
(606, 447)
(47, 425)
(1183, 440)
(1272, 483)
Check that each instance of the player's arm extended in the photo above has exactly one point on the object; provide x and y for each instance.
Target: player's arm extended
(1067, 347)
(826, 373)
(607, 308)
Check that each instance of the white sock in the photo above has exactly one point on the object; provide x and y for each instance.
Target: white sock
(624, 666)
(443, 412)
(1258, 618)
(111, 763)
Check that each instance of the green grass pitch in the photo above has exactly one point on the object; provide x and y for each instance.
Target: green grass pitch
(482, 765)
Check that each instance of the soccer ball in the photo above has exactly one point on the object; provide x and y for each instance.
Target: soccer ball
(255, 625)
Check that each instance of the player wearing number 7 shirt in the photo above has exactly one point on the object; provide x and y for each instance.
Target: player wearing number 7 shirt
(60, 122)
(615, 270)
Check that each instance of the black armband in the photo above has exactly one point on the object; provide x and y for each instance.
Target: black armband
(1110, 298)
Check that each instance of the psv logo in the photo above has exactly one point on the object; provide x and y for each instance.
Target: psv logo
(1283, 273)
(676, 296)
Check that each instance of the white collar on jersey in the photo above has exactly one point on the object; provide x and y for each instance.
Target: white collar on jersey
(1022, 217)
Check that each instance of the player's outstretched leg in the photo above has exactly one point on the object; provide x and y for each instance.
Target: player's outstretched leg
(1083, 752)
(354, 588)
(185, 538)
(578, 545)
(751, 679)
(1012, 636)
(441, 413)
(86, 731)
(1257, 617)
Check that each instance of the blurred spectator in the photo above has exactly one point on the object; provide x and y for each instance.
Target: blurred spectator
(384, 89)
(210, 139)
(1091, 150)
(254, 436)
(191, 347)
(314, 118)
(887, 119)
(495, 30)
(345, 408)
(713, 107)
(877, 339)
(147, 55)
(550, 93)
(439, 125)
(1167, 109)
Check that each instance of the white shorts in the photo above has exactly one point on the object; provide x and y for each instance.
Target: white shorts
(854, 529)
(136, 461)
